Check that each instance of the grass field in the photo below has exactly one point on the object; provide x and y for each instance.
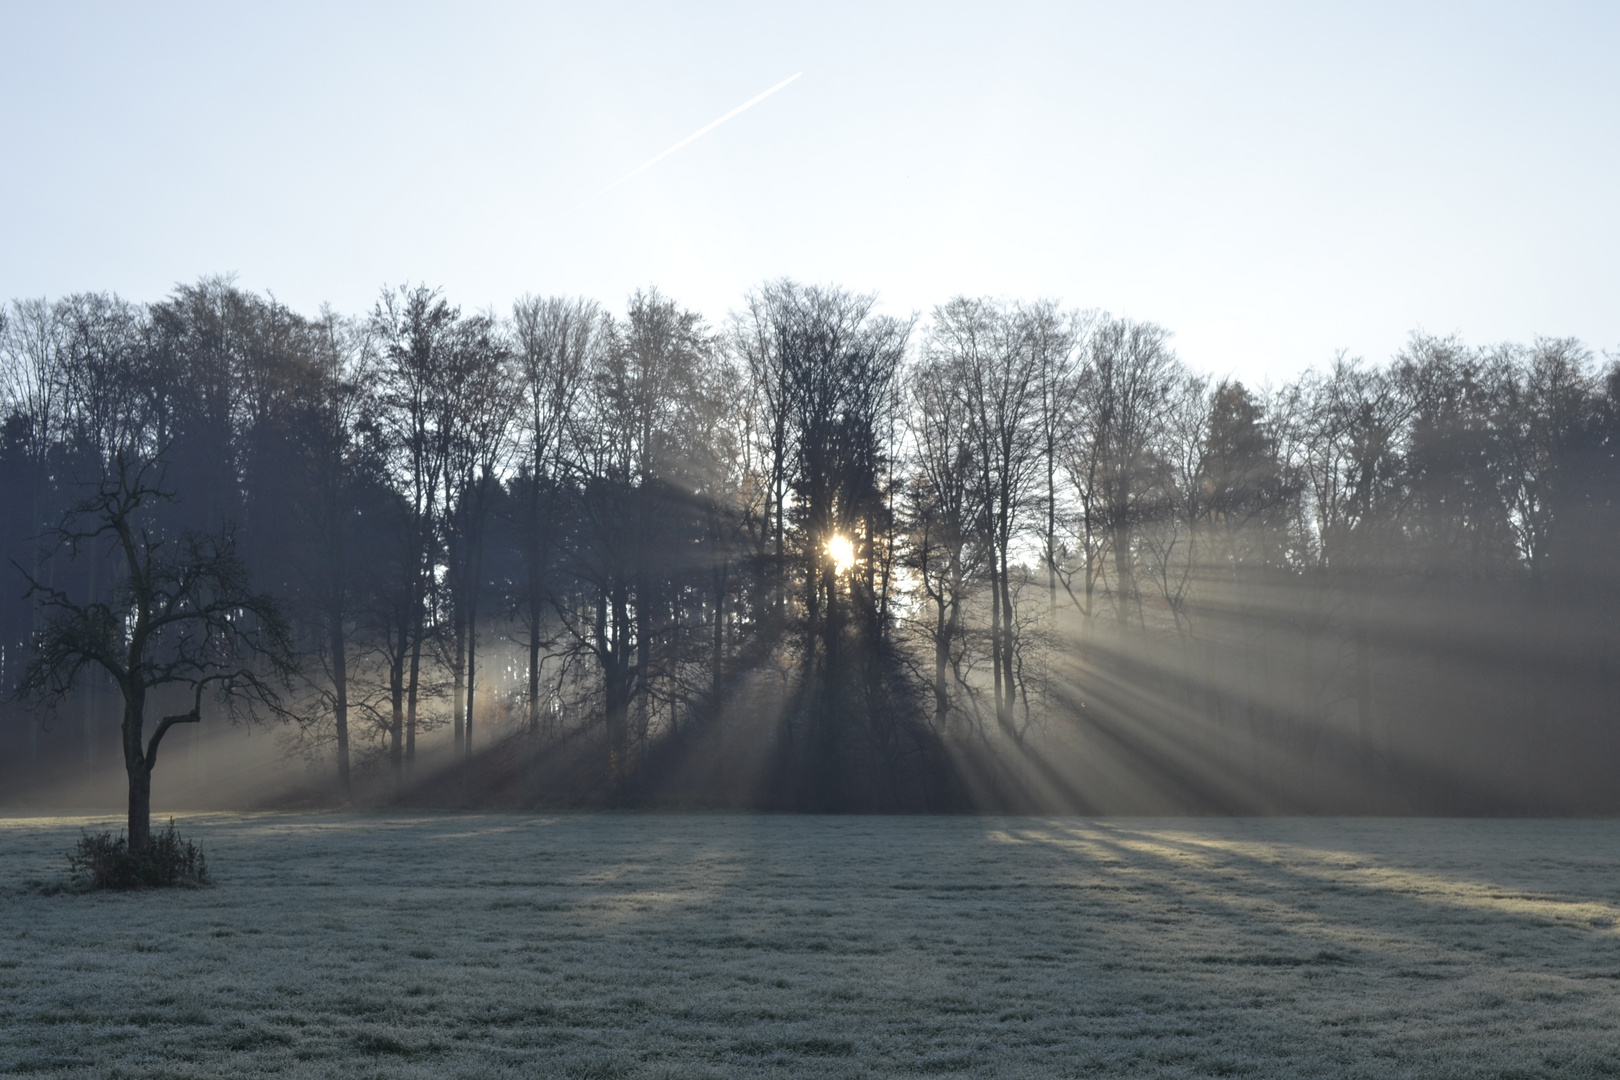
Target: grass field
(613, 945)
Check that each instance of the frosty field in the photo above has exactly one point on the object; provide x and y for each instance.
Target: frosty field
(614, 945)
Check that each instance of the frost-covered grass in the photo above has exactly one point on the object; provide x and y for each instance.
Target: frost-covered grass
(706, 946)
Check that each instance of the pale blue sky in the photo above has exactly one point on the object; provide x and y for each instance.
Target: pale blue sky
(1271, 181)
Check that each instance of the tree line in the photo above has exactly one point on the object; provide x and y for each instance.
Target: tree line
(1003, 554)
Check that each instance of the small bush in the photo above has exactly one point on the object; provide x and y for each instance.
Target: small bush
(105, 862)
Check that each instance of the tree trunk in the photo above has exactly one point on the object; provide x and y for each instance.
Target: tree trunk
(616, 705)
(610, 650)
(458, 683)
(472, 668)
(534, 567)
(140, 773)
(140, 807)
(640, 694)
(1051, 522)
(474, 581)
(534, 669)
(716, 663)
(617, 709)
(1364, 717)
(411, 690)
(780, 568)
(1008, 682)
(1124, 578)
(396, 727)
(90, 687)
(340, 700)
(812, 607)
(995, 638)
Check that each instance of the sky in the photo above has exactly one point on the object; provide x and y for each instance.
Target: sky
(1272, 182)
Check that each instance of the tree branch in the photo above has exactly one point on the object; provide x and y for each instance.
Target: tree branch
(192, 717)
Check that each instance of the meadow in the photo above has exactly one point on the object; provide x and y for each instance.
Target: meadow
(635, 945)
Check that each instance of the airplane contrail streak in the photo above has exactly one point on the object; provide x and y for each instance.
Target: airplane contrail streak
(698, 134)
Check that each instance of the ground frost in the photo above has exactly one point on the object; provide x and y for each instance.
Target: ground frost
(656, 946)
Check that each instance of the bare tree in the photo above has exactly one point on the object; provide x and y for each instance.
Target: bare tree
(1544, 396)
(999, 375)
(1169, 529)
(556, 342)
(945, 551)
(182, 616)
(32, 347)
(1352, 464)
(632, 511)
(1054, 339)
(480, 397)
(414, 329)
(1125, 389)
(759, 334)
(328, 413)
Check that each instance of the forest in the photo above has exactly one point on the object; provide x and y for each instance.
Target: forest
(1001, 555)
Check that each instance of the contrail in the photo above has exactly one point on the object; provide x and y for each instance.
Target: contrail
(698, 134)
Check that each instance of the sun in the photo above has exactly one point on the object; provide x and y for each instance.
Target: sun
(842, 552)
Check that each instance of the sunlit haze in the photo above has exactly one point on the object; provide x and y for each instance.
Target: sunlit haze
(842, 553)
(725, 540)
(1269, 182)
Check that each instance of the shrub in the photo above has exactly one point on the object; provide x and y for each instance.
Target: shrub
(105, 862)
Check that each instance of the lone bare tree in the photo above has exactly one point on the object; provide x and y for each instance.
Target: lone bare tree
(182, 615)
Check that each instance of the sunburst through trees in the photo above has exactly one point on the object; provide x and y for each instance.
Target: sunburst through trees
(814, 556)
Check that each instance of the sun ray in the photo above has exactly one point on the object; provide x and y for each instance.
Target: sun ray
(842, 552)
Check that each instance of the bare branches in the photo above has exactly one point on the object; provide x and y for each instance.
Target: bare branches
(181, 613)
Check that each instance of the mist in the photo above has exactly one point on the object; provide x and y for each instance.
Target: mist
(1003, 555)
